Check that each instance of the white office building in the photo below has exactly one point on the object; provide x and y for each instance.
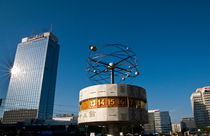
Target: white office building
(200, 100)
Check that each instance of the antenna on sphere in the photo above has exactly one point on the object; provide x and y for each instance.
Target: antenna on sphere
(32, 32)
(51, 28)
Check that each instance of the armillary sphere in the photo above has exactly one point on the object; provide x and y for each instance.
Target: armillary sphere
(115, 62)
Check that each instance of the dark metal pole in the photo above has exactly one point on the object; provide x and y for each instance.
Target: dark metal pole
(86, 127)
(112, 76)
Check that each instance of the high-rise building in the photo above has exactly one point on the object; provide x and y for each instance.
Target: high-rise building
(159, 122)
(31, 89)
(200, 100)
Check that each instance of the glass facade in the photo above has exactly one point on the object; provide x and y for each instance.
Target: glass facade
(33, 77)
(159, 122)
(162, 122)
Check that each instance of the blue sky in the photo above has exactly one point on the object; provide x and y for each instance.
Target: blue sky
(170, 38)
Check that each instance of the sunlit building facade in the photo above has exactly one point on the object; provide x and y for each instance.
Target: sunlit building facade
(176, 128)
(33, 78)
(200, 100)
(159, 122)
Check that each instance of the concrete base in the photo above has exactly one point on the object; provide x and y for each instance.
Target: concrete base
(113, 105)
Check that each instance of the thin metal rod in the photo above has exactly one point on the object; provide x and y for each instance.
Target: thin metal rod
(112, 76)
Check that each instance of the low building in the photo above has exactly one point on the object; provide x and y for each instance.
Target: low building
(176, 128)
(188, 124)
(64, 119)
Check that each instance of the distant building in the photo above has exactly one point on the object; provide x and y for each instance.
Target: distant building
(66, 117)
(200, 100)
(72, 119)
(176, 128)
(159, 122)
(188, 124)
(149, 128)
(54, 121)
(31, 89)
